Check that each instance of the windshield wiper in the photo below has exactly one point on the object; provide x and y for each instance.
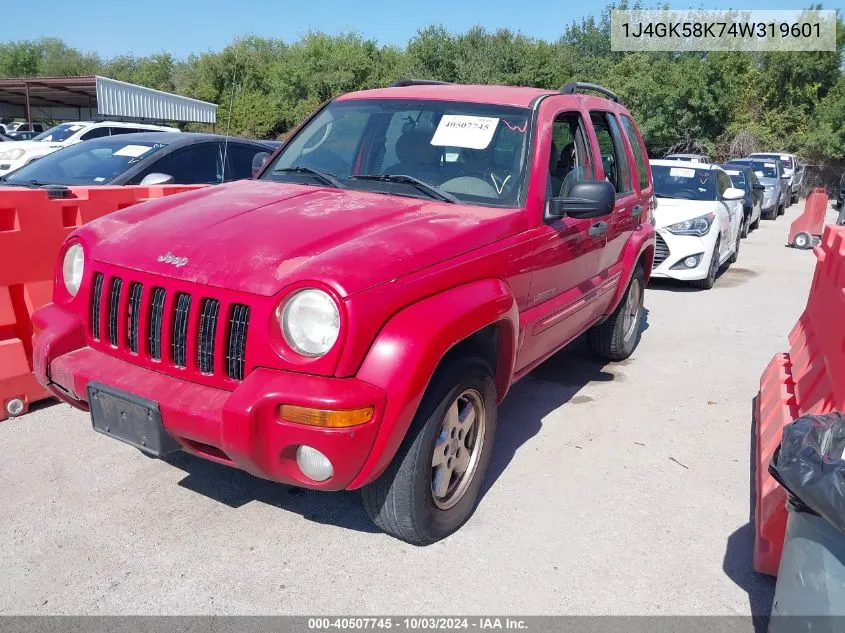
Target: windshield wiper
(431, 190)
(324, 177)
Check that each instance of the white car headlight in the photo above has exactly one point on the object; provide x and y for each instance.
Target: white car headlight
(72, 268)
(12, 154)
(697, 226)
(310, 322)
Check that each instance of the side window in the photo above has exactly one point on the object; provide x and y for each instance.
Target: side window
(638, 150)
(239, 160)
(338, 138)
(197, 164)
(722, 182)
(613, 155)
(97, 132)
(570, 160)
(123, 130)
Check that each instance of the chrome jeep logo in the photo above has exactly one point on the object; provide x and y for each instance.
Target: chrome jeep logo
(170, 258)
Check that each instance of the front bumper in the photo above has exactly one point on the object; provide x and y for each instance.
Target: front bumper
(239, 428)
(680, 247)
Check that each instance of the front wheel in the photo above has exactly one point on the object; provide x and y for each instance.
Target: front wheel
(616, 338)
(781, 209)
(743, 232)
(708, 282)
(735, 255)
(431, 487)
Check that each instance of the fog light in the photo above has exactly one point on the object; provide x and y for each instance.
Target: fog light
(691, 262)
(313, 463)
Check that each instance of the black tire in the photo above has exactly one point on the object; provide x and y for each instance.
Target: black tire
(617, 337)
(796, 197)
(756, 224)
(803, 241)
(781, 209)
(401, 501)
(708, 282)
(743, 233)
(771, 214)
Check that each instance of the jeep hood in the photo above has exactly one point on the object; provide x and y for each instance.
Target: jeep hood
(257, 237)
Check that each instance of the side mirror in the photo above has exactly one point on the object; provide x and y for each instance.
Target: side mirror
(732, 193)
(759, 187)
(258, 161)
(591, 199)
(158, 179)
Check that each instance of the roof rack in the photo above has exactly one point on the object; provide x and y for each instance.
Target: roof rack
(573, 87)
(402, 83)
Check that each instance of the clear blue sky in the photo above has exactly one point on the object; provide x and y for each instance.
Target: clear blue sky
(181, 27)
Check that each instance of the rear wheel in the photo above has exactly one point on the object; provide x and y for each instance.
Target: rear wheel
(743, 232)
(617, 337)
(781, 208)
(756, 224)
(712, 271)
(432, 485)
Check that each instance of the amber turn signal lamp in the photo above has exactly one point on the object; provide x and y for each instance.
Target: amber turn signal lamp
(326, 418)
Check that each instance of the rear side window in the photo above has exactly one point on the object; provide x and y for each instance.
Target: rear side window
(613, 156)
(97, 132)
(638, 151)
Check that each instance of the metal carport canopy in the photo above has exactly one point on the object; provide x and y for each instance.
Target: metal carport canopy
(57, 98)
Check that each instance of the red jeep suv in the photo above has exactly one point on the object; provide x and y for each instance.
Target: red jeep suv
(351, 317)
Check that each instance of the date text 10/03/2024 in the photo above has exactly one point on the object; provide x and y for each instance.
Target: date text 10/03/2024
(417, 623)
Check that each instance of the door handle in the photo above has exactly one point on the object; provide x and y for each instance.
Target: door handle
(598, 229)
(637, 211)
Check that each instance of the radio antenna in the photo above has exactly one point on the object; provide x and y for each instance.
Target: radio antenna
(231, 107)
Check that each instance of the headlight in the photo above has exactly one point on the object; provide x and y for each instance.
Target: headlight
(310, 322)
(697, 226)
(72, 268)
(11, 154)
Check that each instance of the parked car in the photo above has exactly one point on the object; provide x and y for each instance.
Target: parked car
(22, 135)
(145, 158)
(744, 178)
(771, 175)
(23, 126)
(698, 220)
(19, 153)
(693, 158)
(351, 317)
(792, 168)
(840, 194)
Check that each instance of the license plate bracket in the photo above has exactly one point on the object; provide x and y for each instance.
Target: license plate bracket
(130, 419)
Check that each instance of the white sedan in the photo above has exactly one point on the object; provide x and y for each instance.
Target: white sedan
(698, 220)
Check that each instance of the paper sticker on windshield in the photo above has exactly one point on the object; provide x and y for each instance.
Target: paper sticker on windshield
(133, 151)
(769, 164)
(732, 172)
(470, 132)
(759, 174)
(99, 179)
(784, 157)
(681, 172)
(74, 128)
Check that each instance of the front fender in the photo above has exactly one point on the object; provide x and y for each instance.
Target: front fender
(640, 247)
(411, 345)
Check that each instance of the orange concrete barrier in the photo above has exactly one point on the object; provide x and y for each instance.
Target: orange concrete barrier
(809, 379)
(811, 221)
(33, 227)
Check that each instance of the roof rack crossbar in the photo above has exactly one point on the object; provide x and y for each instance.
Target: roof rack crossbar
(402, 83)
(573, 87)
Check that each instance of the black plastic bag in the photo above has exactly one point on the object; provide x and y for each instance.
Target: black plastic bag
(809, 464)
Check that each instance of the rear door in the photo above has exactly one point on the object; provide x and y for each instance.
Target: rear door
(616, 162)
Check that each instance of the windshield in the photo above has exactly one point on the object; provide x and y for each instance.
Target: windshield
(784, 158)
(761, 168)
(472, 153)
(686, 183)
(61, 132)
(95, 162)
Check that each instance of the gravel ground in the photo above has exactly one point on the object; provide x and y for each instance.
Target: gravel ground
(617, 489)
